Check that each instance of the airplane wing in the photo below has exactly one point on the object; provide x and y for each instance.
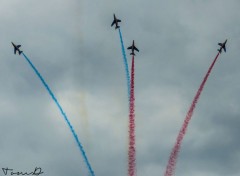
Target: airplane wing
(118, 20)
(224, 48)
(220, 44)
(136, 49)
(18, 46)
(130, 47)
(113, 23)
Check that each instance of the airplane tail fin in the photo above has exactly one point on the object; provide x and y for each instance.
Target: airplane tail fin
(117, 27)
(219, 50)
(132, 54)
(20, 52)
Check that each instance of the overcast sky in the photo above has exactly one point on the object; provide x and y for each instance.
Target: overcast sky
(79, 55)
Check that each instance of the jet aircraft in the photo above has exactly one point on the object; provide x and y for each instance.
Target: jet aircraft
(16, 48)
(223, 46)
(115, 21)
(133, 47)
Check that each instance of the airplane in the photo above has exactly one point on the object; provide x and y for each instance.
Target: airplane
(133, 48)
(223, 46)
(115, 21)
(16, 48)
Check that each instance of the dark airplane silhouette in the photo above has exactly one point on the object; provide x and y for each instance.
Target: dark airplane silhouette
(223, 46)
(16, 48)
(133, 48)
(115, 21)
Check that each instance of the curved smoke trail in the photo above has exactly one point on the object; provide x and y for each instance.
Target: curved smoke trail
(132, 149)
(125, 63)
(63, 114)
(174, 154)
(84, 115)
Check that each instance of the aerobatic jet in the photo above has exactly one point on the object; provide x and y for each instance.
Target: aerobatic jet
(115, 21)
(223, 46)
(133, 48)
(16, 48)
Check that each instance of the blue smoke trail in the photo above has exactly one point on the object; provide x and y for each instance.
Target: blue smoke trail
(126, 63)
(64, 115)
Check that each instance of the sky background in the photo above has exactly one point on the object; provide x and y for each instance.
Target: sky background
(79, 55)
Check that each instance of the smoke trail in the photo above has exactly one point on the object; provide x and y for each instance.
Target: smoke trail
(84, 115)
(83, 111)
(125, 63)
(63, 114)
(174, 154)
(131, 149)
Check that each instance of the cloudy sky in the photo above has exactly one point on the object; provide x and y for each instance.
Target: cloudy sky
(79, 55)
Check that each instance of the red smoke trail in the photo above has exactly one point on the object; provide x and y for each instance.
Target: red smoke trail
(131, 149)
(174, 154)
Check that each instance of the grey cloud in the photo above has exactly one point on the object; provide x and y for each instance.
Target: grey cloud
(77, 52)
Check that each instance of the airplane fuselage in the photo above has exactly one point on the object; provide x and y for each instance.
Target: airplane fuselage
(14, 45)
(223, 46)
(132, 48)
(16, 48)
(115, 21)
